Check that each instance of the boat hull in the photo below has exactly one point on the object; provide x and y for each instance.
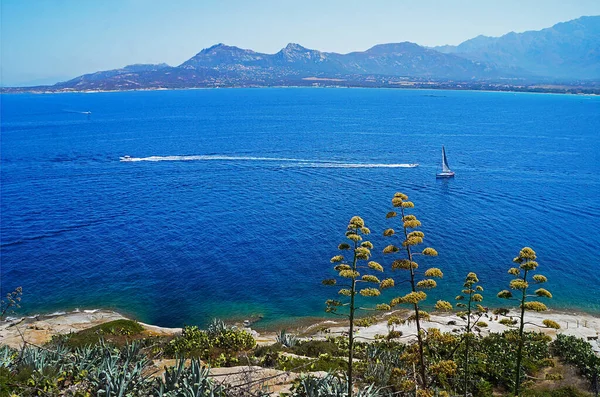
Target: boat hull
(445, 175)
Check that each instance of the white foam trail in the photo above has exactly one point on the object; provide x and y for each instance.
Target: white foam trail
(299, 162)
(353, 165)
(215, 157)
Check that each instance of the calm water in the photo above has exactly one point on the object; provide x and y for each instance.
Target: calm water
(247, 222)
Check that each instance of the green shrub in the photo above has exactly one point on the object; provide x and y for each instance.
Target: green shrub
(218, 349)
(117, 332)
(568, 391)
(314, 348)
(579, 353)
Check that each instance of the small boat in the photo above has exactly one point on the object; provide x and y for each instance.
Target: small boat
(446, 172)
(126, 158)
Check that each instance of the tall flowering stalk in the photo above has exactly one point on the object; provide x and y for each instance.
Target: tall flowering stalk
(469, 300)
(410, 239)
(350, 277)
(520, 284)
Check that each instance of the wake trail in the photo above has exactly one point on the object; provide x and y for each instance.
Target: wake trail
(289, 162)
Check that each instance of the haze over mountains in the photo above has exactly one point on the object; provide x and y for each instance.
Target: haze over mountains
(567, 52)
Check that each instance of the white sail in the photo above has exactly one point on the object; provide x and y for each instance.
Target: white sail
(445, 167)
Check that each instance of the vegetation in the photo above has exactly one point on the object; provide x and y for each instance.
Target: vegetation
(217, 346)
(526, 261)
(470, 294)
(579, 353)
(348, 272)
(10, 302)
(411, 238)
(117, 333)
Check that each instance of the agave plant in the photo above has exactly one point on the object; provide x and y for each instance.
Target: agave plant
(192, 381)
(287, 340)
(216, 327)
(329, 386)
(121, 373)
(7, 356)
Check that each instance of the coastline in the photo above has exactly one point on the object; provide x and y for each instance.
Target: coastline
(512, 90)
(40, 328)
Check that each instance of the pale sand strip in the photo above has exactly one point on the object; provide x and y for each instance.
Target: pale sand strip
(40, 329)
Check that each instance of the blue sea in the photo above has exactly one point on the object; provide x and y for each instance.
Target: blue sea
(237, 198)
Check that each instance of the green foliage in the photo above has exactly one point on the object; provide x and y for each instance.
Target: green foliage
(117, 332)
(323, 362)
(219, 349)
(579, 353)
(568, 391)
(335, 347)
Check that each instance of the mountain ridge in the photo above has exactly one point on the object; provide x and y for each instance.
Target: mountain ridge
(568, 51)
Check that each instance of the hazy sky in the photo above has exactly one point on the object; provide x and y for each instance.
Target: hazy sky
(46, 41)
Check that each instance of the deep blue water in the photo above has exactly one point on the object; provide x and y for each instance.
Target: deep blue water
(248, 226)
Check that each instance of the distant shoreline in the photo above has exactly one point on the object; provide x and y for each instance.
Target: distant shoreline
(514, 90)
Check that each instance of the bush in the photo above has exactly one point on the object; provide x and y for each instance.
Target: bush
(117, 332)
(314, 348)
(218, 349)
(568, 391)
(579, 353)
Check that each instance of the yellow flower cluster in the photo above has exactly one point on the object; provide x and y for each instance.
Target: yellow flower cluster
(403, 264)
(412, 224)
(387, 283)
(349, 274)
(551, 324)
(390, 249)
(370, 279)
(443, 306)
(543, 293)
(430, 252)
(370, 292)
(529, 265)
(356, 222)
(518, 284)
(539, 278)
(427, 284)
(434, 272)
(535, 306)
(388, 232)
(514, 271)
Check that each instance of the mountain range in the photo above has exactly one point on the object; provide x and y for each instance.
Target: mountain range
(566, 53)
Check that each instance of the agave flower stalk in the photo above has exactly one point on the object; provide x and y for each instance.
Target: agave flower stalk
(349, 272)
(411, 238)
(527, 263)
(470, 294)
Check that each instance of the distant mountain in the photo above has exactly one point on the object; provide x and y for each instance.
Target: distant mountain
(568, 50)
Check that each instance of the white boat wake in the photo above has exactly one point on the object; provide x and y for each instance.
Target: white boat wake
(290, 162)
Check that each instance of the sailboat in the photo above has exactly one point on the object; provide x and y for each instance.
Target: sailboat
(446, 172)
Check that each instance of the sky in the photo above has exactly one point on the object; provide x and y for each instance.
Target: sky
(45, 41)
